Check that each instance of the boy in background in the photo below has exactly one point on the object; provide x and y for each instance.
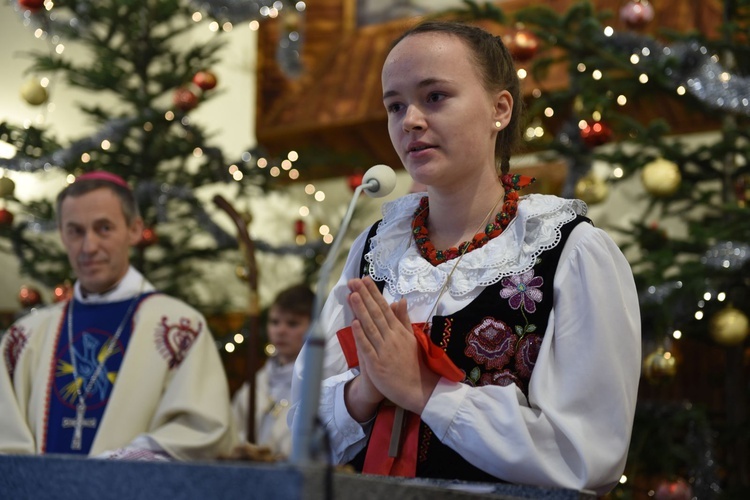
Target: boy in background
(288, 320)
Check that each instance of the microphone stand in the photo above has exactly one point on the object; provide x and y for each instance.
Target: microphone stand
(306, 443)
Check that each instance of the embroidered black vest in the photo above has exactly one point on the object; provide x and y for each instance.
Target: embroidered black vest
(495, 340)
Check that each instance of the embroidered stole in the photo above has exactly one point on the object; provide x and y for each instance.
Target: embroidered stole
(93, 326)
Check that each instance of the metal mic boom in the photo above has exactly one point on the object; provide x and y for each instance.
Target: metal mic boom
(378, 181)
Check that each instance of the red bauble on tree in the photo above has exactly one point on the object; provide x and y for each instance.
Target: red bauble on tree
(637, 13)
(29, 297)
(148, 237)
(678, 489)
(62, 292)
(300, 228)
(206, 80)
(185, 99)
(522, 44)
(32, 5)
(355, 180)
(6, 218)
(596, 133)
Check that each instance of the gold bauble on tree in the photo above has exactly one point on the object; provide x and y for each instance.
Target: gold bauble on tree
(33, 92)
(241, 273)
(7, 186)
(729, 326)
(661, 177)
(659, 365)
(591, 189)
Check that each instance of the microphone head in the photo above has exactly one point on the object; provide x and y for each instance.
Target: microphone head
(379, 181)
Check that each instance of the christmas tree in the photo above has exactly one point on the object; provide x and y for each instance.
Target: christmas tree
(143, 75)
(614, 95)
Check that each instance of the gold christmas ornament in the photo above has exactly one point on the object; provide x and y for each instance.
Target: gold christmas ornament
(33, 92)
(591, 189)
(7, 186)
(291, 20)
(659, 365)
(729, 326)
(661, 177)
(241, 272)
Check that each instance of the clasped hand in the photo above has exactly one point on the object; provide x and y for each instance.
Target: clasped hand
(390, 362)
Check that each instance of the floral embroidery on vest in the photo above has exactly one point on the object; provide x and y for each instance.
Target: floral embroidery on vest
(174, 340)
(491, 343)
(523, 290)
(17, 339)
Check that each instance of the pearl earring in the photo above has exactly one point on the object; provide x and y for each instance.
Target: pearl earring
(498, 124)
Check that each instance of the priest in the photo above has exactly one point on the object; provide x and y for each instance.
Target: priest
(119, 370)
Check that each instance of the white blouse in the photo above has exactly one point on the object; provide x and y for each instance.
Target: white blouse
(574, 429)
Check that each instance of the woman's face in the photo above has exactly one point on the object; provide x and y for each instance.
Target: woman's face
(441, 119)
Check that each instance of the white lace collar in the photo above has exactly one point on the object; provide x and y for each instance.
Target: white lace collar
(394, 256)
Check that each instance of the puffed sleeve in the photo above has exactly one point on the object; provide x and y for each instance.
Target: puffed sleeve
(574, 429)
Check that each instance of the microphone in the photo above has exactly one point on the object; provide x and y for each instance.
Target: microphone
(378, 181)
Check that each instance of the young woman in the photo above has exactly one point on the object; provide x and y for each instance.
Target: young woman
(474, 334)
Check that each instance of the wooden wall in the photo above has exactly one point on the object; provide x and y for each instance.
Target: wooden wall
(336, 105)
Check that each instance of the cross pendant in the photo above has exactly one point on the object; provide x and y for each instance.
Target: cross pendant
(78, 424)
(398, 426)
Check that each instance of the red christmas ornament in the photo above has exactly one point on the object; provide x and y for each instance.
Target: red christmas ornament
(62, 292)
(637, 13)
(299, 227)
(148, 238)
(355, 180)
(6, 218)
(205, 80)
(596, 133)
(185, 99)
(32, 5)
(29, 297)
(678, 489)
(522, 44)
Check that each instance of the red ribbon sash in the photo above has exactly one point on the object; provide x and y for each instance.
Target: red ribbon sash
(377, 459)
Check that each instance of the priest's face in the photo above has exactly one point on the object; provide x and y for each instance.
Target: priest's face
(97, 238)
